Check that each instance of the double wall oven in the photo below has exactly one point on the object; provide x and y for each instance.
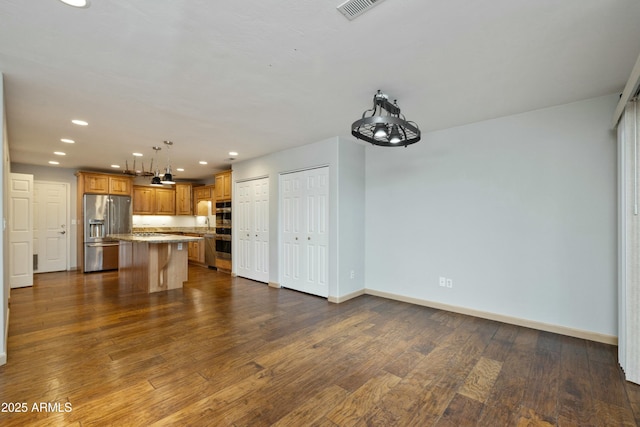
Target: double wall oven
(223, 230)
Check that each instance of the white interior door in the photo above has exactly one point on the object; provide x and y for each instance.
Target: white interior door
(20, 230)
(252, 216)
(305, 230)
(51, 230)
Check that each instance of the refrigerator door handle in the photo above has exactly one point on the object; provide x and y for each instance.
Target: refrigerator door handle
(101, 245)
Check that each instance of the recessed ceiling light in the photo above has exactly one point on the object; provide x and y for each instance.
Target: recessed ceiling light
(180, 169)
(233, 153)
(76, 3)
(202, 162)
(53, 162)
(59, 153)
(67, 141)
(79, 122)
(137, 154)
(115, 166)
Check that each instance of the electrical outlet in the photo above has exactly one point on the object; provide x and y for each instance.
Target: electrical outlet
(449, 283)
(353, 274)
(443, 281)
(179, 246)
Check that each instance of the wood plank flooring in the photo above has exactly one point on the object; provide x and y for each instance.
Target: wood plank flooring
(226, 351)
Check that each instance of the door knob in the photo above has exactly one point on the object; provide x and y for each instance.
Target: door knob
(62, 232)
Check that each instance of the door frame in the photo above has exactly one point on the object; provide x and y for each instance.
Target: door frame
(70, 226)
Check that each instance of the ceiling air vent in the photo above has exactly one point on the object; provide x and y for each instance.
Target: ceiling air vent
(354, 8)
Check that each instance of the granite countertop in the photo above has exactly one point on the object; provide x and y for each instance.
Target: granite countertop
(191, 230)
(154, 238)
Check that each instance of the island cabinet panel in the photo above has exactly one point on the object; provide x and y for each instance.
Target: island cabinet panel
(152, 267)
(165, 201)
(183, 199)
(223, 185)
(144, 200)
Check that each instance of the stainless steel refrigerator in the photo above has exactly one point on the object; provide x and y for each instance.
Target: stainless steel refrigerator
(104, 215)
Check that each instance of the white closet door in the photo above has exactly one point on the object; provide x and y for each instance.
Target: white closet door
(629, 241)
(21, 230)
(252, 207)
(305, 222)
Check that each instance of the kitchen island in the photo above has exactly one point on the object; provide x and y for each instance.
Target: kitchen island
(153, 262)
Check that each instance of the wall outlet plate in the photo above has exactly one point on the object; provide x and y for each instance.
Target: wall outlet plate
(442, 281)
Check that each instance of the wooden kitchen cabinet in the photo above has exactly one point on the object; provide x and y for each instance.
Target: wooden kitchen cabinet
(196, 250)
(223, 185)
(120, 185)
(144, 200)
(98, 183)
(153, 201)
(183, 199)
(202, 198)
(165, 201)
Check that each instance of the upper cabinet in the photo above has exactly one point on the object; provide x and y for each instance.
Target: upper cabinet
(202, 200)
(144, 200)
(153, 201)
(183, 199)
(100, 183)
(223, 185)
(165, 201)
(120, 185)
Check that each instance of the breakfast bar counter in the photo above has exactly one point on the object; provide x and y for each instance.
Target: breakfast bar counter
(153, 262)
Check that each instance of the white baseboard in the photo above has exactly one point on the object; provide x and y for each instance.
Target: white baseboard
(347, 297)
(563, 330)
(274, 285)
(3, 351)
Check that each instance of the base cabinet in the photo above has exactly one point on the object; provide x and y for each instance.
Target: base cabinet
(196, 251)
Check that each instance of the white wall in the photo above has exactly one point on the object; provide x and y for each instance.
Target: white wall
(346, 186)
(519, 211)
(351, 214)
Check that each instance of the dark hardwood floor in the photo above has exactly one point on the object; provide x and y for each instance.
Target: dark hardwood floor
(227, 351)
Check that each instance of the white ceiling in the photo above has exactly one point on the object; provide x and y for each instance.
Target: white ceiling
(258, 76)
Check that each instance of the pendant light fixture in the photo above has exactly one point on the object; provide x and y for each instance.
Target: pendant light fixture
(156, 181)
(167, 178)
(387, 130)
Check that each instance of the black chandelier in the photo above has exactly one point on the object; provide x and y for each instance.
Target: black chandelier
(388, 130)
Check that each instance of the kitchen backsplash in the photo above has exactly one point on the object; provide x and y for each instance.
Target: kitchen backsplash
(172, 221)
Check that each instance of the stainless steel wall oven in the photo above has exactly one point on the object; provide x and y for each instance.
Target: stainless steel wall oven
(223, 242)
(223, 230)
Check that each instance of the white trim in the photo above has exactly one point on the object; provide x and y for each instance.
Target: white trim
(3, 355)
(630, 89)
(346, 297)
(274, 285)
(563, 330)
